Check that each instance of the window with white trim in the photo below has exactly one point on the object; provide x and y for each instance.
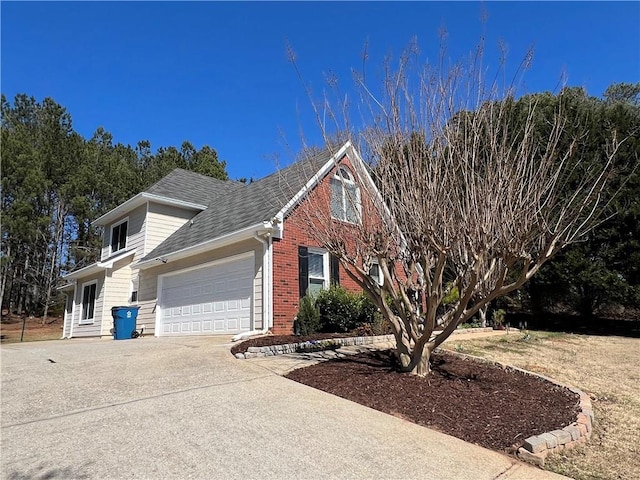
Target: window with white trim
(345, 196)
(119, 235)
(318, 261)
(134, 292)
(376, 273)
(87, 313)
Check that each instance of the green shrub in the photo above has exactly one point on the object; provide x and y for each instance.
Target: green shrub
(498, 317)
(452, 297)
(342, 311)
(307, 321)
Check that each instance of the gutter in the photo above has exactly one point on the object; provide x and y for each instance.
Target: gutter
(96, 267)
(246, 233)
(140, 199)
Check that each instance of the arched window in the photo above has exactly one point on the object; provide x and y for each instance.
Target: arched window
(345, 196)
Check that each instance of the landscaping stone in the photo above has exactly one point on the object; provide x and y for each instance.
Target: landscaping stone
(589, 413)
(573, 431)
(583, 430)
(562, 436)
(535, 444)
(584, 419)
(552, 441)
(535, 458)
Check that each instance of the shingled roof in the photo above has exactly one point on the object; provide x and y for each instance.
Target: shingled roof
(191, 187)
(231, 206)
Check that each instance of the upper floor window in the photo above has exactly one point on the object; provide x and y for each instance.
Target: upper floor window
(119, 236)
(345, 196)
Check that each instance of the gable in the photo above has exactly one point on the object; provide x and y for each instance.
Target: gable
(259, 206)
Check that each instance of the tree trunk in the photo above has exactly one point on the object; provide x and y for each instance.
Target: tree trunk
(483, 315)
(422, 367)
(5, 274)
(53, 267)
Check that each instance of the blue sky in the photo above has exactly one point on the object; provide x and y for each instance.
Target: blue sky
(216, 73)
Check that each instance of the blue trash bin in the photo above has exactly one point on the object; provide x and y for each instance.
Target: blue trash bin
(124, 322)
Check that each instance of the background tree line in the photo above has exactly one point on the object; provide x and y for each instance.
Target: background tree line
(55, 183)
(599, 276)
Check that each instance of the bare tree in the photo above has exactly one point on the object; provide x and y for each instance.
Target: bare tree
(465, 197)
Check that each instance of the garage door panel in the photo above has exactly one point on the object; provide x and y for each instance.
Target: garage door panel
(214, 299)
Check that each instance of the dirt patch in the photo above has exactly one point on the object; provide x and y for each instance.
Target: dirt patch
(11, 329)
(480, 403)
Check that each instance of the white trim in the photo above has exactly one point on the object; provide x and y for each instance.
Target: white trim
(146, 229)
(228, 239)
(268, 322)
(138, 200)
(107, 275)
(65, 287)
(73, 309)
(326, 281)
(346, 179)
(220, 261)
(98, 266)
(380, 279)
(88, 321)
(126, 239)
(267, 290)
(313, 181)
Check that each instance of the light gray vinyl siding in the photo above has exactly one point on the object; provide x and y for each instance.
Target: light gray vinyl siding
(117, 292)
(148, 281)
(93, 329)
(162, 221)
(135, 232)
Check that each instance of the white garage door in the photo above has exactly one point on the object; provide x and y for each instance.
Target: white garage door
(212, 299)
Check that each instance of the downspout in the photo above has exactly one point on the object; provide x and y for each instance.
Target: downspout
(266, 281)
(73, 307)
(66, 315)
(266, 290)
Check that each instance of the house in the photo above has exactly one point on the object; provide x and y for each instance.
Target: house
(201, 256)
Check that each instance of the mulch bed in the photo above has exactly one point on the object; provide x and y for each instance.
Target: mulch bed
(477, 402)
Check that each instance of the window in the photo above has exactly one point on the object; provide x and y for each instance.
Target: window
(316, 269)
(119, 236)
(88, 302)
(376, 273)
(134, 292)
(317, 272)
(345, 197)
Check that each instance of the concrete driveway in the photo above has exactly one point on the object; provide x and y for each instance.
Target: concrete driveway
(185, 408)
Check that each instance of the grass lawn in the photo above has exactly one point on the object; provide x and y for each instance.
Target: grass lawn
(605, 367)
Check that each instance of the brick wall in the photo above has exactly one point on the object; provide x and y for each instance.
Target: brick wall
(286, 285)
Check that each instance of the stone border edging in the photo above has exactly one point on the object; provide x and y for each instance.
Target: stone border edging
(270, 350)
(267, 351)
(538, 447)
